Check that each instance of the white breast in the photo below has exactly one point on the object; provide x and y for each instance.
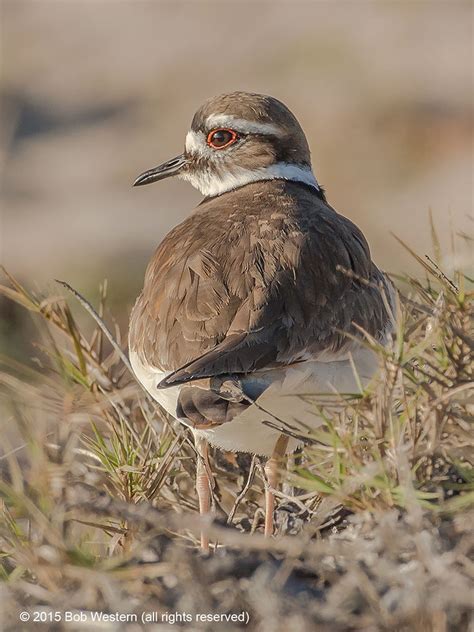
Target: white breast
(293, 397)
(150, 377)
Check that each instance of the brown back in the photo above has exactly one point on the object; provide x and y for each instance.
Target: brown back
(255, 275)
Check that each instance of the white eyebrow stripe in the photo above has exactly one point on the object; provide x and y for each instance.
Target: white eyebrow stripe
(195, 142)
(242, 125)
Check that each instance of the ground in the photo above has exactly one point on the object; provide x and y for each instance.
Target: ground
(374, 523)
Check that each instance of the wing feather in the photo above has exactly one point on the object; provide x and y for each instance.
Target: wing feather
(235, 291)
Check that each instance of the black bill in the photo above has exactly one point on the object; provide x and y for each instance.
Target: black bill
(166, 170)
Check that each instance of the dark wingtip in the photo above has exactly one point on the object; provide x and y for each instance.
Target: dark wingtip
(164, 383)
(174, 379)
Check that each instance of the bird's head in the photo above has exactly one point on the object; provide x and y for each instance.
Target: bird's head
(235, 139)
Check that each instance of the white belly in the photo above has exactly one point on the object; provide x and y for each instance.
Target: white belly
(292, 398)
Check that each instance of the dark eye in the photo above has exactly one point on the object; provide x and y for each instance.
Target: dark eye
(220, 138)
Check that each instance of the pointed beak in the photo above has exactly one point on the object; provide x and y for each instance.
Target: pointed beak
(166, 170)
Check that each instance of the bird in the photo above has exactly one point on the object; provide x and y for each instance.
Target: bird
(263, 297)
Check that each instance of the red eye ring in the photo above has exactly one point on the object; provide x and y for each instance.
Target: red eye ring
(221, 137)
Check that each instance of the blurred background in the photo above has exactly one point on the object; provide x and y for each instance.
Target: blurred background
(93, 93)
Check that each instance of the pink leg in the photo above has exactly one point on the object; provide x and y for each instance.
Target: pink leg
(271, 472)
(203, 485)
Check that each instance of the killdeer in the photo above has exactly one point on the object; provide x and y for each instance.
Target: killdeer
(260, 297)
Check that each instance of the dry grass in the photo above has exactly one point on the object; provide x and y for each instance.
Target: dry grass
(374, 521)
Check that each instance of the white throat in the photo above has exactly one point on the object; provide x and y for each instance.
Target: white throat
(211, 184)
